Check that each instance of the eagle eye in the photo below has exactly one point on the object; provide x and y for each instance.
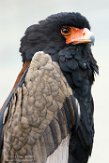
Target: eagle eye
(65, 30)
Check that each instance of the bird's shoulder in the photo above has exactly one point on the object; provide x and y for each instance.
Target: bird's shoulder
(37, 111)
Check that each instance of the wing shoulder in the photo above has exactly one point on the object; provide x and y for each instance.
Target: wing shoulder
(35, 110)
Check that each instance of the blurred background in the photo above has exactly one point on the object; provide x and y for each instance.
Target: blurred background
(17, 15)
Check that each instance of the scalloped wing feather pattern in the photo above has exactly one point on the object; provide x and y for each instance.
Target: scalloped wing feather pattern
(36, 122)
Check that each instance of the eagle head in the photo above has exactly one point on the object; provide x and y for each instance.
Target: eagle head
(56, 32)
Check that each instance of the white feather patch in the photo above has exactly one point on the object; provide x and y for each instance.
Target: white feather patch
(61, 153)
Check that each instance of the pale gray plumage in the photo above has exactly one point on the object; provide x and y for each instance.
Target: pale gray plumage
(34, 113)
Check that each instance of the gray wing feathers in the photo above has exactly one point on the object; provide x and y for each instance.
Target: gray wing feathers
(33, 127)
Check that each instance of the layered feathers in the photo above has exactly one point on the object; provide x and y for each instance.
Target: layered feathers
(78, 67)
(36, 122)
(46, 35)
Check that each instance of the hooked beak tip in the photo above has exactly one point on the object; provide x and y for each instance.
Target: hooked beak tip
(92, 38)
(80, 36)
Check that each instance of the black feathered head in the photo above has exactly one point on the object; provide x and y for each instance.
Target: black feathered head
(55, 33)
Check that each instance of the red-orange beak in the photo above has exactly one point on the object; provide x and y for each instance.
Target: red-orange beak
(78, 36)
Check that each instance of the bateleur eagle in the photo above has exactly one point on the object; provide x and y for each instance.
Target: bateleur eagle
(48, 116)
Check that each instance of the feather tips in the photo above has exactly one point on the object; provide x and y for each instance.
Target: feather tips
(34, 113)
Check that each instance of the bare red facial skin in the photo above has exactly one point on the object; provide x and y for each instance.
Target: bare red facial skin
(78, 36)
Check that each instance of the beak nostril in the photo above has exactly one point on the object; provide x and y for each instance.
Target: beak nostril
(84, 34)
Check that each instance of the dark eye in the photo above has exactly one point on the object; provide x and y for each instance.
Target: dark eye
(65, 30)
